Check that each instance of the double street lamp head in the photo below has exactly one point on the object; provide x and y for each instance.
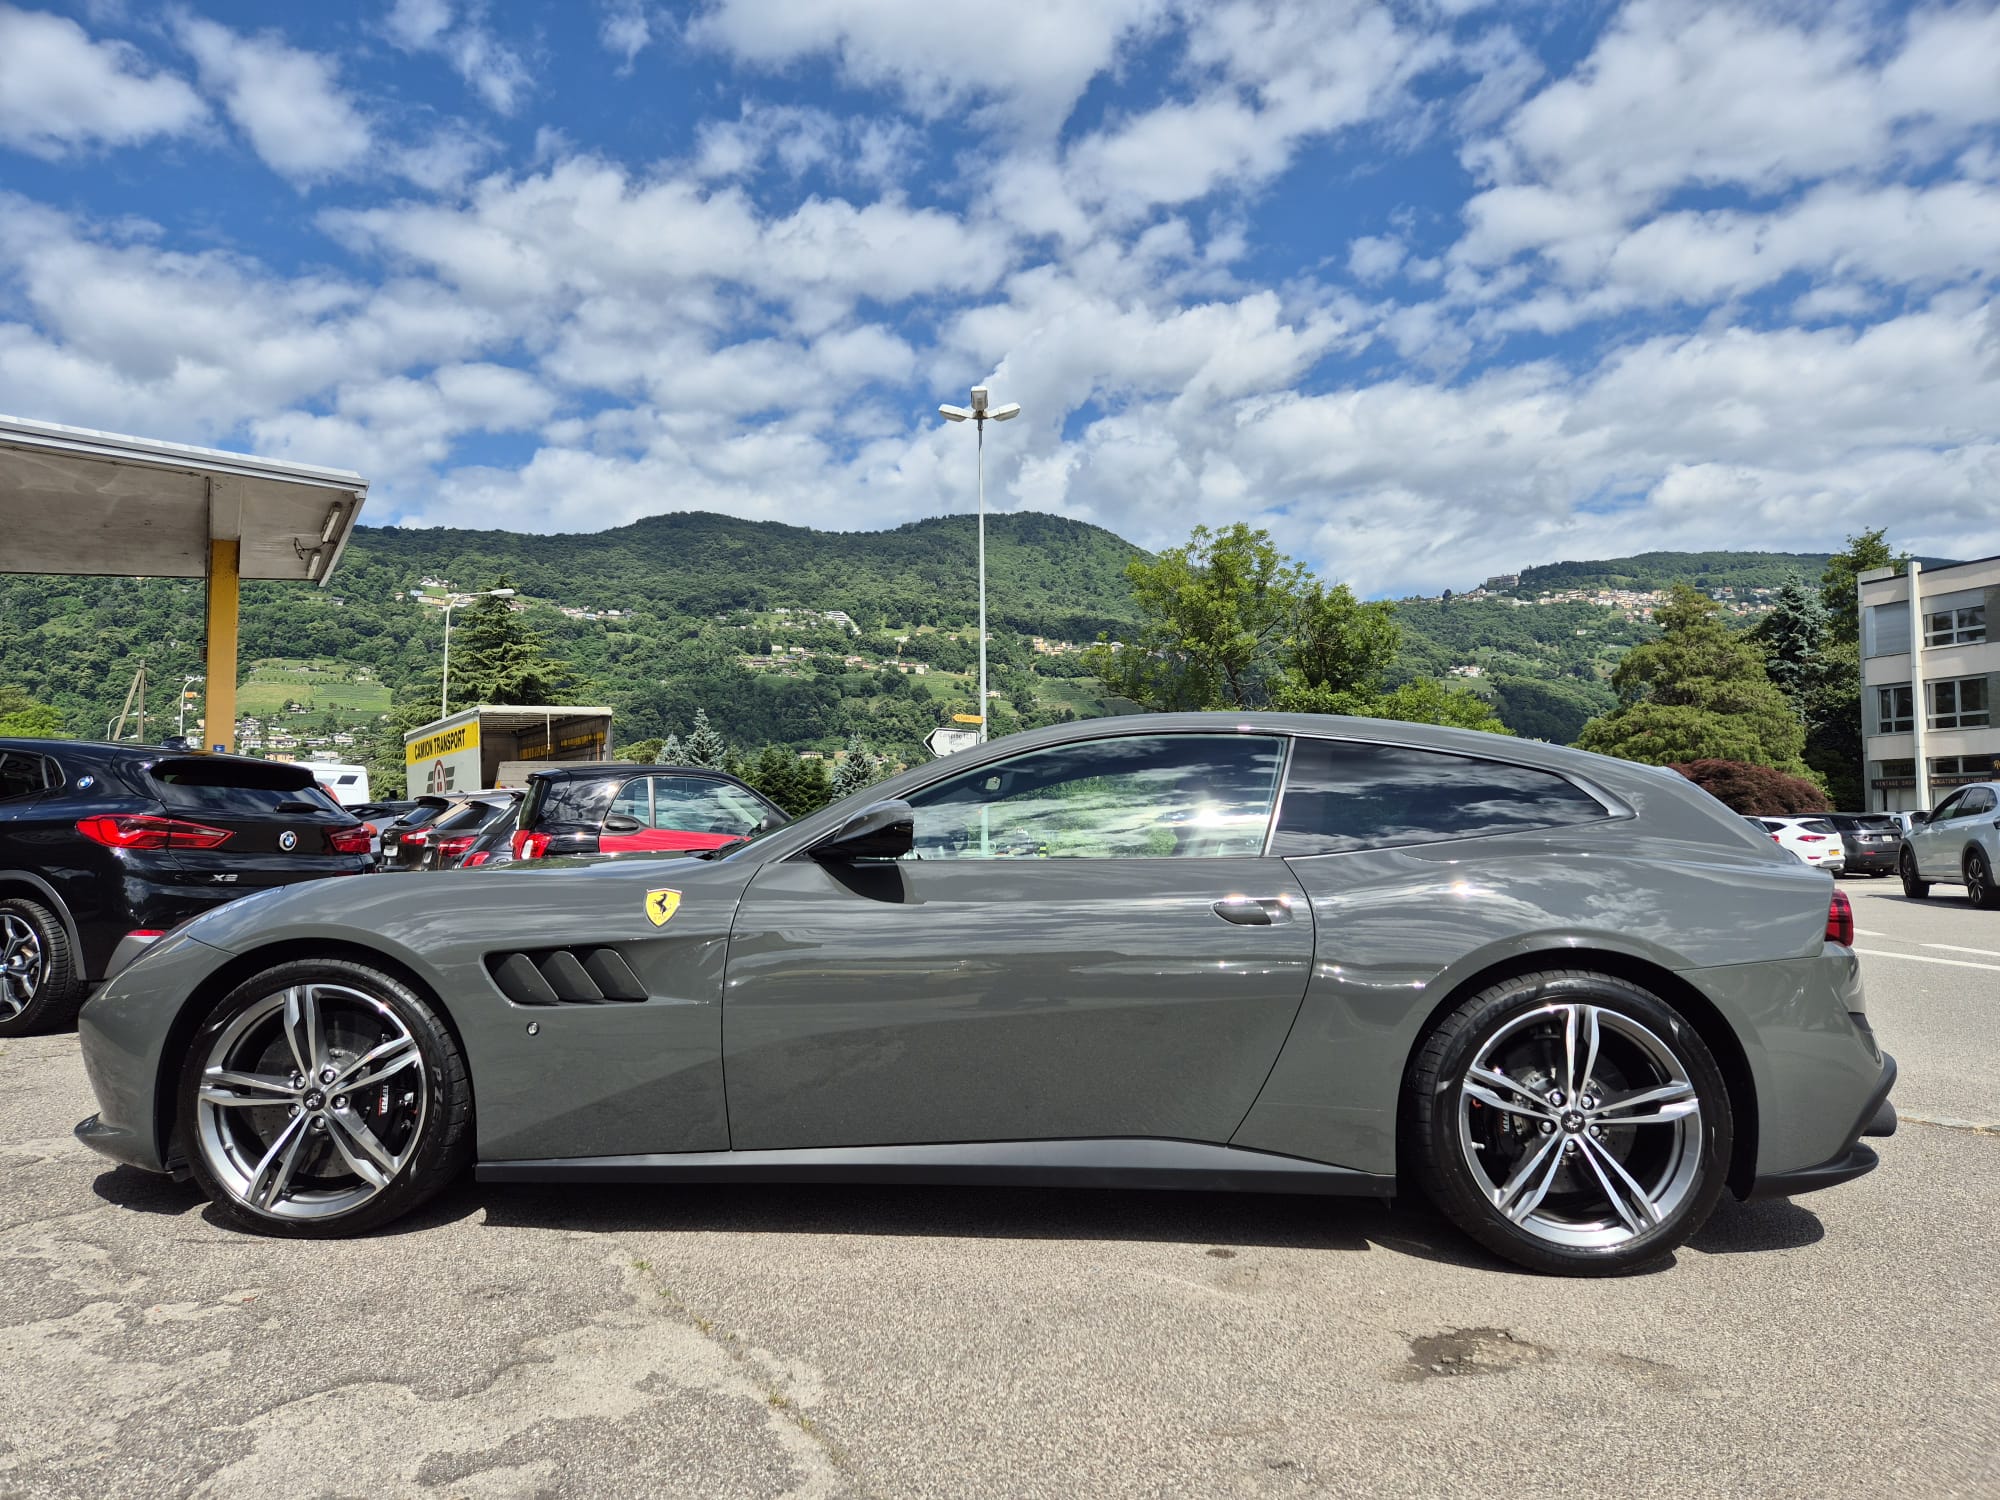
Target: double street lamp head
(980, 409)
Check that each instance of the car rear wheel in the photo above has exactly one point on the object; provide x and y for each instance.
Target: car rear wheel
(1979, 887)
(1571, 1122)
(323, 1098)
(1915, 887)
(39, 986)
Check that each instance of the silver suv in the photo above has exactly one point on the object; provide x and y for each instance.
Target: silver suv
(1956, 843)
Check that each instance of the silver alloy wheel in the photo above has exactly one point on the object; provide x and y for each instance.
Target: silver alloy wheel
(1975, 879)
(1580, 1125)
(24, 964)
(312, 1101)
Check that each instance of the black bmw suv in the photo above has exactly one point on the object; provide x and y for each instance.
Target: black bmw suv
(105, 847)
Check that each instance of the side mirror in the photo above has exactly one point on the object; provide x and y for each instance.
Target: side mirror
(882, 830)
(1919, 817)
(623, 823)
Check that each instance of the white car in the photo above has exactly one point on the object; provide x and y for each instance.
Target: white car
(1956, 843)
(1811, 840)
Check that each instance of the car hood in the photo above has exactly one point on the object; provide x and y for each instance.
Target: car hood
(442, 908)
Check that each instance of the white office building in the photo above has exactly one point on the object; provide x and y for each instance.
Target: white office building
(1948, 664)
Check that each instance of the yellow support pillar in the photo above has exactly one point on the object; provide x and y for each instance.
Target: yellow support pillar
(219, 695)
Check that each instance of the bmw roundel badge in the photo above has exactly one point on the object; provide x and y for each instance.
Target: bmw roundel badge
(288, 841)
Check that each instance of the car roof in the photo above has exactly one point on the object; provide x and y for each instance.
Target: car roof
(593, 770)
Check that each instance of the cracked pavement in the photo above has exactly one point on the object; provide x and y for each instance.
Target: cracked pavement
(767, 1341)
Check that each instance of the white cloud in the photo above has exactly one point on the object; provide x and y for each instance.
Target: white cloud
(491, 69)
(626, 29)
(873, 151)
(288, 102)
(1028, 62)
(61, 92)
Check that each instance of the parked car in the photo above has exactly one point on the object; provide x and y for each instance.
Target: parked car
(105, 847)
(422, 812)
(618, 808)
(1956, 843)
(1812, 840)
(495, 843)
(1870, 842)
(378, 816)
(451, 837)
(1570, 998)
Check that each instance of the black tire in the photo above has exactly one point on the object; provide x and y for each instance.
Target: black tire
(41, 989)
(1913, 886)
(1693, 1167)
(1979, 887)
(439, 1137)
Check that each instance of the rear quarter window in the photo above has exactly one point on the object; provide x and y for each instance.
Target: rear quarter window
(572, 801)
(23, 774)
(1343, 795)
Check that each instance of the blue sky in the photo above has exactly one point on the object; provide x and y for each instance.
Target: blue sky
(1432, 290)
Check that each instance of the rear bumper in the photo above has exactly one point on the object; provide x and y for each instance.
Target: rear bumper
(1877, 1119)
(1871, 860)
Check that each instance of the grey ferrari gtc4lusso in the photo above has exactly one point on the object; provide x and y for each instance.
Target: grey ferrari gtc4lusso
(1572, 999)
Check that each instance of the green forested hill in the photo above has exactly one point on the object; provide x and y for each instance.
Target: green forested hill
(696, 594)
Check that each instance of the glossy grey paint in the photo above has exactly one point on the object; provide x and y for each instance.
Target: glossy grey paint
(1669, 877)
(976, 1000)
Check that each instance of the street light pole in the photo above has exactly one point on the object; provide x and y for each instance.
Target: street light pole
(451, 602)
(980, 412)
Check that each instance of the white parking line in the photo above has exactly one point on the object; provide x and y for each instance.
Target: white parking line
(1955, 948)
(1925, 958)
(1868, 932)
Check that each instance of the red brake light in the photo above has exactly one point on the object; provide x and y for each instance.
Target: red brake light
(452, 848)
(1812, 838)
(474, 860)
(530, 845)
(355, 840)
(1840, 920)
(417, 836)
(144, 831)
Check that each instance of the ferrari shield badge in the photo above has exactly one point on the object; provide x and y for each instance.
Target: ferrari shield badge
(661, 905)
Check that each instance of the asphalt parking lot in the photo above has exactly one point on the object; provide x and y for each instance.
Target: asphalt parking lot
(906, 1342)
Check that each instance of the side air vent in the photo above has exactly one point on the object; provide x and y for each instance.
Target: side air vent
(565, 976)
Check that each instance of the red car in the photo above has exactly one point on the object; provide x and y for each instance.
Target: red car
(617, 808)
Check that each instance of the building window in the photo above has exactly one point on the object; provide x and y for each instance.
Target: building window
(1964, 765)
(1893, 713)
(1888, 769)
(1886, 629)
(1955, 627)
(1958, 703)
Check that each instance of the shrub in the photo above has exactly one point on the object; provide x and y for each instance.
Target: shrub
(1757, 791)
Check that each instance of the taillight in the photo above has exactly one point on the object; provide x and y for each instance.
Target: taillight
(1812, 838)
(144, 831)
(530, 845)
(1840, 920)
(417, 836)
(452, 848)
(474, 860)
(355, 840)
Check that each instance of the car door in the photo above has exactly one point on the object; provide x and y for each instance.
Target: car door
(1086, 941)
(1969, 819)
(660, 813)
(1930, 838)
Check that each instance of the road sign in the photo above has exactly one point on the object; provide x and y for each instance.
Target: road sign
(941, 742)
(967, 719)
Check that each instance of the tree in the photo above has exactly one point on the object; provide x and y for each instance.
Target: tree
(704, 746)
(670, 752)
(21, 717)
(1698, 693)
(497, 658)
(1819, 672)
(1838, 582)
(642, 752)
(858, 770)
(1338, 644)
(1756, 791)
(1428, 701)
(1215, 612)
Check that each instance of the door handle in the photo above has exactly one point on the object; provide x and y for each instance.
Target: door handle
(1254, 911)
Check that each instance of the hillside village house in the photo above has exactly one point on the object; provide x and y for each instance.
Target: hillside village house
(1948, 664)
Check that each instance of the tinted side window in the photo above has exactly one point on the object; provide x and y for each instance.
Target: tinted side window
(563, 800)
(1137, 796)
(21, 775)
(1343, 795)
(1951, 807)
(694, 804)
(1978, 799)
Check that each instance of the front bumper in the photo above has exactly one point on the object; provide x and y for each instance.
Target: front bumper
(1877, 1119)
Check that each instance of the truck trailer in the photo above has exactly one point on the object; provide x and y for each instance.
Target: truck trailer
(493, 746)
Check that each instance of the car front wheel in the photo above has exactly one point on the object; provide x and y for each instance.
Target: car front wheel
(1571, 1122)
(323, 1098)
(1914, 886)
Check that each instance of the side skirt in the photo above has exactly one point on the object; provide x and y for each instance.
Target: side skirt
(1114, 1163)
